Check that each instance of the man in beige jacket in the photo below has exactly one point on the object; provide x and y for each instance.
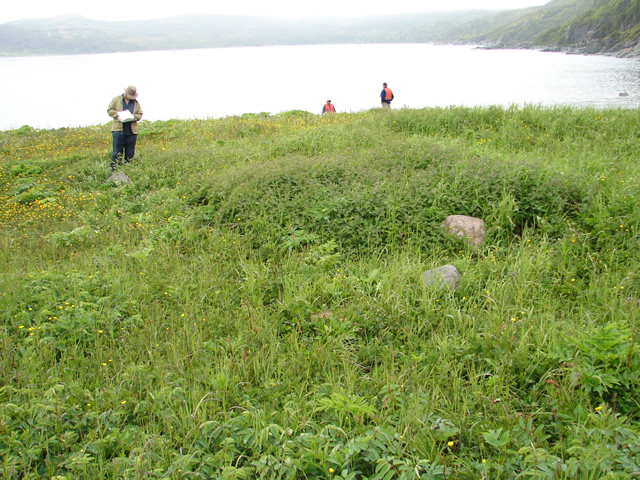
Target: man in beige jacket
(126, 113)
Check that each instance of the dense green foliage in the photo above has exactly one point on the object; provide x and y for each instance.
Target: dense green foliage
(251, 304)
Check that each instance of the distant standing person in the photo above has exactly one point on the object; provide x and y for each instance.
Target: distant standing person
(126, 113)
(386, 96)
(329, 107)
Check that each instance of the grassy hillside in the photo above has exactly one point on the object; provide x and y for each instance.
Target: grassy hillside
(525, 27)
(251, 305)
(612, 21)
(579, 26)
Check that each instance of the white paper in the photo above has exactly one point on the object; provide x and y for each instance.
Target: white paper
(125, 116)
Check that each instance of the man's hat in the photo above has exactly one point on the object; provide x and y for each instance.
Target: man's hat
(131, 91)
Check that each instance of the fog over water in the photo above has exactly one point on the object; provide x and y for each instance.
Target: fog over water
(74, 90)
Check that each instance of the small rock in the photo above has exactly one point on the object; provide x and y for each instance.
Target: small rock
(118, 178)
(471, 228)
(447, 276)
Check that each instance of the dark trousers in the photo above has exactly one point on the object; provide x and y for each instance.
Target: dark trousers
(124, 148)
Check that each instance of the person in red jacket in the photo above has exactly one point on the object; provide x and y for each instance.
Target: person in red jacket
(386, 96)
(328, 107)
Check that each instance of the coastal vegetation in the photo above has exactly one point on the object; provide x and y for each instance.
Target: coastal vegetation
(245, 300)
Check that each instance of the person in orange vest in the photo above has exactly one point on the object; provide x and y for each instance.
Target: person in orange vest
(328, 107)
(386, 96)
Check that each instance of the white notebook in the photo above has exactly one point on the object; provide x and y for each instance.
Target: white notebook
(125, 116)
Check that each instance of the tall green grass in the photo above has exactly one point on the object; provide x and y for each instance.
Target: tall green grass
(251, 304)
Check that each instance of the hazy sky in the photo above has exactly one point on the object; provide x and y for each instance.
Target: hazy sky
(140, 9)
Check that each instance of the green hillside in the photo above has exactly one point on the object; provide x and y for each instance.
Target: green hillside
(247, 301)
(608, 24)
(579, 26)
(523, 27)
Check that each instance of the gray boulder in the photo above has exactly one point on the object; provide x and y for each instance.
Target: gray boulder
(118, 178)
(463, 226)
(440, 278)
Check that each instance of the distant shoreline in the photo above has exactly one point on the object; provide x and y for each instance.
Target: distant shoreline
(633, 54)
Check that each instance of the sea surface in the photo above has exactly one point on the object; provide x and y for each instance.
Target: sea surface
(74, 90)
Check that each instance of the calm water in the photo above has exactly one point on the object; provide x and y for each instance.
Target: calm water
(61, 91)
